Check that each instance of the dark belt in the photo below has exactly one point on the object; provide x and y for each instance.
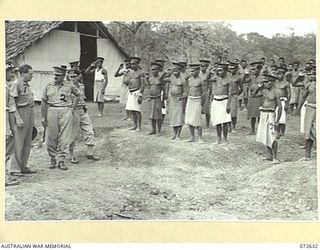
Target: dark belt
(133, 90)
(257, 96)
(267, 110)
(52, 106)
(220, 99)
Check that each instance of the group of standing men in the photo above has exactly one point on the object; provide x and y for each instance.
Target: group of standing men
(64, 114)
(266, 91)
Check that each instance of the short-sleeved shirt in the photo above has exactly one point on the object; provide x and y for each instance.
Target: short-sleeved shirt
(10, 104)
(60, 95)
(22, 93)
(82, 98)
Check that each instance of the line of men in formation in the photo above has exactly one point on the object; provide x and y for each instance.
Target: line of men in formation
(267, 93)
(217, 93)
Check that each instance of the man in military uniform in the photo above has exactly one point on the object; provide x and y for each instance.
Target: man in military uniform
(12, 118)
(136, 80)
(57, 113)
(196, 97)
(24, 101)
(100, 82)
(81, 121)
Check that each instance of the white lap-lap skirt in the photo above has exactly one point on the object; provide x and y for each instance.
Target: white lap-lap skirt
(283, 114)
(302, 116)
(132, 102)
(266, 133)
(193, 111)
(219, 113)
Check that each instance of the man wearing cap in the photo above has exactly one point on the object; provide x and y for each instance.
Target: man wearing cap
(295, 90)
(163, 73)
(196, 97)
(24, 101)
(282, 86)
(269, 119)
(156, 97)
(220, 105)
(236, 89)
(177, 90)
(244, 71)
(57, 113)
(255, 101)
(309, 100)
(205, 75)
(12, 118)
(272, 62)
(136, 80)
(81, 120)
(100, 83)
(123, 70)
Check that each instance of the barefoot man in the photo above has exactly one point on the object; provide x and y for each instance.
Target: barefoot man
(269, 119)
(196, 94)
(125, 81)
(205, 75)
(156, 97)
(236, 81)
(220, 105)
(100, 82)
(255, 101)
(282, 86)
(177, 95)
(310, 115)
(136, 84)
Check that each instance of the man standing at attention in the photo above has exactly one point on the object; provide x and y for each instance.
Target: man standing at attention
(156, 97)
(177, 94)
(269, 119)
(12, 118)
(309, 99)
(136, 80)
(282, 86)
(57, 113)
(236, 89)
(255, 101)
(121, 71)
(24, 101)
(196, 97)
(205, 75)
(220, 106)
(100, 82)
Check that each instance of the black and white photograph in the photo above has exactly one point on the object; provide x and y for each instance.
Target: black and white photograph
(159, 120)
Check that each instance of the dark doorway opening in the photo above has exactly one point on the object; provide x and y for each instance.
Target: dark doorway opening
(88, 47)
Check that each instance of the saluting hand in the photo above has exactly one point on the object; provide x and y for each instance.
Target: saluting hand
(44, 123)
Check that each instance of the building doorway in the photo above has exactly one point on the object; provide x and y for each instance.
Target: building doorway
(88, 53)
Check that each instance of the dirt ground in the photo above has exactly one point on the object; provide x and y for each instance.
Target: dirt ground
(152, 178)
